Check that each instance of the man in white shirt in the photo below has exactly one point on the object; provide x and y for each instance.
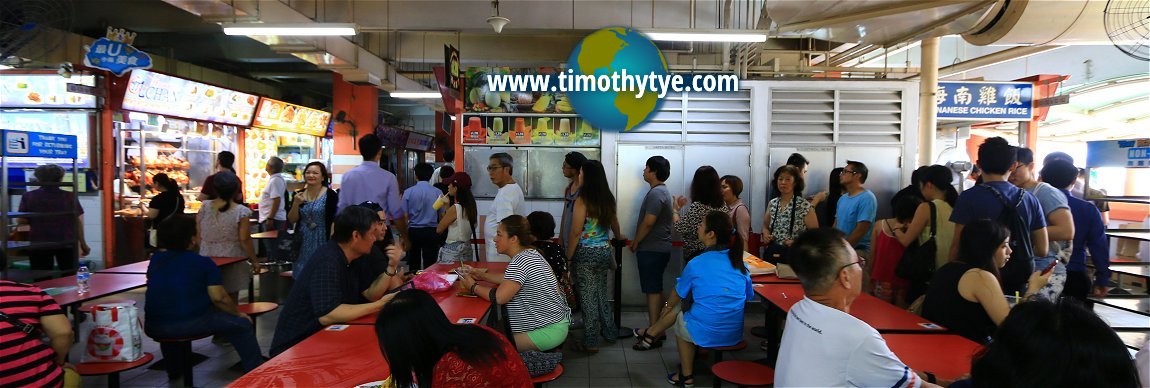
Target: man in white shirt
(823, 345)
(508, 201)
(272, 213)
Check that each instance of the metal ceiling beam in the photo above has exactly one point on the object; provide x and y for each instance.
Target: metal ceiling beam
(875, 12)
(912, 34)
(992, 59)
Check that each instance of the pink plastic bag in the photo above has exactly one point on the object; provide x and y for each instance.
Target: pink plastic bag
(431, 282)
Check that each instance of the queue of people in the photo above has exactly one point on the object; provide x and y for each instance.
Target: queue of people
(1017, 232)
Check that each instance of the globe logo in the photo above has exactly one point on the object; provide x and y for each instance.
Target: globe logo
(611, 52)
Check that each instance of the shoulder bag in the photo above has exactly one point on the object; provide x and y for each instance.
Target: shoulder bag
(917, 262)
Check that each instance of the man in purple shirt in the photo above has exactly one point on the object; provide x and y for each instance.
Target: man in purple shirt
(370, 183)
(53, 228)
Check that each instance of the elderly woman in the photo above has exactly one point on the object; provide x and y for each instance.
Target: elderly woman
(312, 211)
(718, 286)
(537, 311)
(51, 198)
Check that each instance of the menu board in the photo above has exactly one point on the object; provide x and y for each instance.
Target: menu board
(44, 91)
(156, 93)
(282, 116)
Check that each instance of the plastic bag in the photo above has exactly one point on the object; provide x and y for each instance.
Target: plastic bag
(432, 282)
(112, 332)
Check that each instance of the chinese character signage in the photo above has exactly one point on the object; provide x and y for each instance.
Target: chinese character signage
(38, 144)
(1118, 153)
(44, 91)
(160, 94)
(282, 116)
(985, 101)
(115, 53)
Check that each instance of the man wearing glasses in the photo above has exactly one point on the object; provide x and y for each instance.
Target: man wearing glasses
(820, 332)
(856, 209)
(508, 201)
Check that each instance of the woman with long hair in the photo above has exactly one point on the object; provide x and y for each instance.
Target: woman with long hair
(536, 310)
(706, 197)
(832, 194)
(458, 220)
(422, 347)
(788, 215)
(965, 295)
(590, 253)
(312, 212)
(224, 229)
(1042, 344)
(732, 187)
(718, 286)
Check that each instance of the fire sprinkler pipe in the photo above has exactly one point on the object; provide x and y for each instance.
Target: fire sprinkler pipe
(927, 108)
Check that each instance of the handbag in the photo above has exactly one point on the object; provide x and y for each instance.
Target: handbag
(497, 317)
(775, 252)
(917, 262)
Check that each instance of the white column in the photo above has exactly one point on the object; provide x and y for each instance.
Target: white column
(926, 106)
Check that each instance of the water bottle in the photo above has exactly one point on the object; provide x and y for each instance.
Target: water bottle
(82, 277)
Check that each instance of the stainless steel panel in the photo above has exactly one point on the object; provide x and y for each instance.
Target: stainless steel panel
(545, 178)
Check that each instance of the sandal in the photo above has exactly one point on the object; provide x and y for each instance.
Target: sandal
(647, 342)
(638, 333)
(682, 380)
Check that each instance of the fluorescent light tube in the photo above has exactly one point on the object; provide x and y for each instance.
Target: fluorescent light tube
(708, 37)
(290, 29)
(415, 94)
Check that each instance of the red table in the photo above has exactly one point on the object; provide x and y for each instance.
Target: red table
(99, 287)
(772, 279)
(326, 359)
(142, 267)
(877, 313)
(456, 307)
(947, 356)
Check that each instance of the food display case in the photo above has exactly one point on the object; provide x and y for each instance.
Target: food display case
(292, 132)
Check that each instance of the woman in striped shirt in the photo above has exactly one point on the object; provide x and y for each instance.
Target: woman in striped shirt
(538, 313)
(26, 361)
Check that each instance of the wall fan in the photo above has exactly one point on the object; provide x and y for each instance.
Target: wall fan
(1128, 26)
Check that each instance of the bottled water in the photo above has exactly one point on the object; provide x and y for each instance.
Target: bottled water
(82, 279)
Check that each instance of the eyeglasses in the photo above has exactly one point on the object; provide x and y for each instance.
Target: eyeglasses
(861, 262)
(845, 171)
(493, 168)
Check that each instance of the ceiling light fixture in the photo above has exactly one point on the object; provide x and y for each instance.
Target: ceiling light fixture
(497, 22)
(415, 95)
(732, 36)
(290, 29)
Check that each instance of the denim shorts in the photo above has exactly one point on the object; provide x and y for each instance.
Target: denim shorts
(651, 268)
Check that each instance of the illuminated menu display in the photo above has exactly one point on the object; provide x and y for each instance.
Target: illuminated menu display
(44, 91)
(282, 116)
(156, 93)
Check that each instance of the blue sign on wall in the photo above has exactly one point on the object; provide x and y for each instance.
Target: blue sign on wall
(1118, 153)
(1013, 101)
(38, 144)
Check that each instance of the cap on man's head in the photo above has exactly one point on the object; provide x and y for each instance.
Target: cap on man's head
(460, 179)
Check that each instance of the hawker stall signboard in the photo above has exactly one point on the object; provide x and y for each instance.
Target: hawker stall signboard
(1118, 153)
(40, 91)
(38, 144)
(282, 116)
(115, 53)
(150, 92)
(1011, 101)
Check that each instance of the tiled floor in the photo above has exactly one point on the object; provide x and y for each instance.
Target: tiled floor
(614, 366)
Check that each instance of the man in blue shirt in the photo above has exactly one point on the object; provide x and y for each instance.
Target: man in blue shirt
(856, 208)
(368, 182)
(422, 219)
(1089, 233)
(997, 159)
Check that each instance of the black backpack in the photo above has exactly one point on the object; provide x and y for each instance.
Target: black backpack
(1016, 272)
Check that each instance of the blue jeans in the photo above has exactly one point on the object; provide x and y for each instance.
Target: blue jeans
(237, 330)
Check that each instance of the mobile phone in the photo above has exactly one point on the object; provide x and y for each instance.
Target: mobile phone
(1049, 267)
(466, 320)
(337, 328)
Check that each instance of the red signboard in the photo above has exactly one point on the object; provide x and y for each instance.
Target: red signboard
(282, 116)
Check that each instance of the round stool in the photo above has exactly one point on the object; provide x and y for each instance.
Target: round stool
(743, 373)
(256, 309)
(185, 348)
(718, 351)
(112, 369)
(547, 378)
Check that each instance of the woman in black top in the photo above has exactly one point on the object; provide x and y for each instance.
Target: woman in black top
(964, 295)
(168, 201)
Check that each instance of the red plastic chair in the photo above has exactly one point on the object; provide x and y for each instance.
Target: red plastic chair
(112, 369)
(743, 373)
(547, 378)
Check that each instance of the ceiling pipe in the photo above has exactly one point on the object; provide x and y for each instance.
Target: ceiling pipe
(991, 60)
(875, 12)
